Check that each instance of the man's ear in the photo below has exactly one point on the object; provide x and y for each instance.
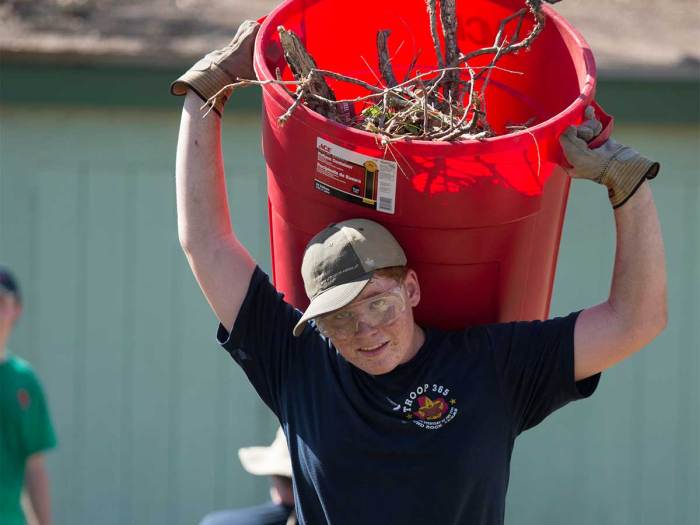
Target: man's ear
(412, 288)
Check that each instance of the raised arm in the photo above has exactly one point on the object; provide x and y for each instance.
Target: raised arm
(220, 263)
(636, 310)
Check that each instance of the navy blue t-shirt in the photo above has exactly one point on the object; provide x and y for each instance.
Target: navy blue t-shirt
(428, 442)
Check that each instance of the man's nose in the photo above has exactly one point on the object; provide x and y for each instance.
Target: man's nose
(363, 328)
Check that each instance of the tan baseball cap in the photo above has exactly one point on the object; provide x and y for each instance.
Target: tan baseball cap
(339, 262)
(268, 461)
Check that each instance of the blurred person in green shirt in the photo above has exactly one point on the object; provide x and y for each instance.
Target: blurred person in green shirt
(26, 432)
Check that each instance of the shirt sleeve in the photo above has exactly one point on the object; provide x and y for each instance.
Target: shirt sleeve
(37, 430)
(535, 367)
(261, 339)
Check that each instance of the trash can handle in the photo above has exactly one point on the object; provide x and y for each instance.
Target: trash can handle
(607, 121)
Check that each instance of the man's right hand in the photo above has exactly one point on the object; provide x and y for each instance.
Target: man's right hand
(220, 68)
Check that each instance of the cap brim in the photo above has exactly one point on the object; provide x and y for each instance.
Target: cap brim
(331, 300)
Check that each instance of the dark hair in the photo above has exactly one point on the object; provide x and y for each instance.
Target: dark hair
(8, 283)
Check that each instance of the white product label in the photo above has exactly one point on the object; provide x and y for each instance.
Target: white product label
(354, 177)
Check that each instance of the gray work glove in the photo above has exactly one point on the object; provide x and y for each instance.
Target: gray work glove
(221, 67)
(620, 168)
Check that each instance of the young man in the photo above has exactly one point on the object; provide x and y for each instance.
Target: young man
(388, 421)
(26, 432)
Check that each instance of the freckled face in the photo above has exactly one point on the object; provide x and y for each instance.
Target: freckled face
(378, 350)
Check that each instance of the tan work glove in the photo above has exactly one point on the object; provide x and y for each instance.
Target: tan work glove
(220, 68)
(620, 168)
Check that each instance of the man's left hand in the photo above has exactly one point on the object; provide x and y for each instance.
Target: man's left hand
(620, 168)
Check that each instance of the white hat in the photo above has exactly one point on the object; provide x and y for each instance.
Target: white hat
(268, 461)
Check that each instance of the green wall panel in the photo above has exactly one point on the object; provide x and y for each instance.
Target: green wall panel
(94, 85)
(56, 314)
(149, 411)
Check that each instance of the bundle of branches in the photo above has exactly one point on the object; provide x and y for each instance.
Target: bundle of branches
(445, 104)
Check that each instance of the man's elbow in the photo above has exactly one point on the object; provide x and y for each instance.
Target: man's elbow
(645, 328)
(201, 243)
(187, 238)
(186, 244)
(194, 246)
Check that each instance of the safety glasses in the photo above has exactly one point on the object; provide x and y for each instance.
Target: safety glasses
(374, 311)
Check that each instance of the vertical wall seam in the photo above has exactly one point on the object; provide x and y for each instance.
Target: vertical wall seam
(127, 437)
(78, 508)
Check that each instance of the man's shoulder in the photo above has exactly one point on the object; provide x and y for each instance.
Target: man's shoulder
(21, 369)
(528, 324)
(19, 365)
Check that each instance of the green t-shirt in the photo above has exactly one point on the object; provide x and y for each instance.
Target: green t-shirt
(25, 428)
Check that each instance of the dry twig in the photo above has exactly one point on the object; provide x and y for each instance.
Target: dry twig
(384, 61)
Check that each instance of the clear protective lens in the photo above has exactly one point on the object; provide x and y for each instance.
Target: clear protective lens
(374, 311)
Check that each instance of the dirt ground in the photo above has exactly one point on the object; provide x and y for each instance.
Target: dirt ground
(657, 35)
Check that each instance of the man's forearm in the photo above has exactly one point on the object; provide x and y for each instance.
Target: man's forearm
(202, 207)
(36, 481)
(638, 291)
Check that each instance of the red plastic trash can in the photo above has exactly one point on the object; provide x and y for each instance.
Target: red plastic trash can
(480, 221)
